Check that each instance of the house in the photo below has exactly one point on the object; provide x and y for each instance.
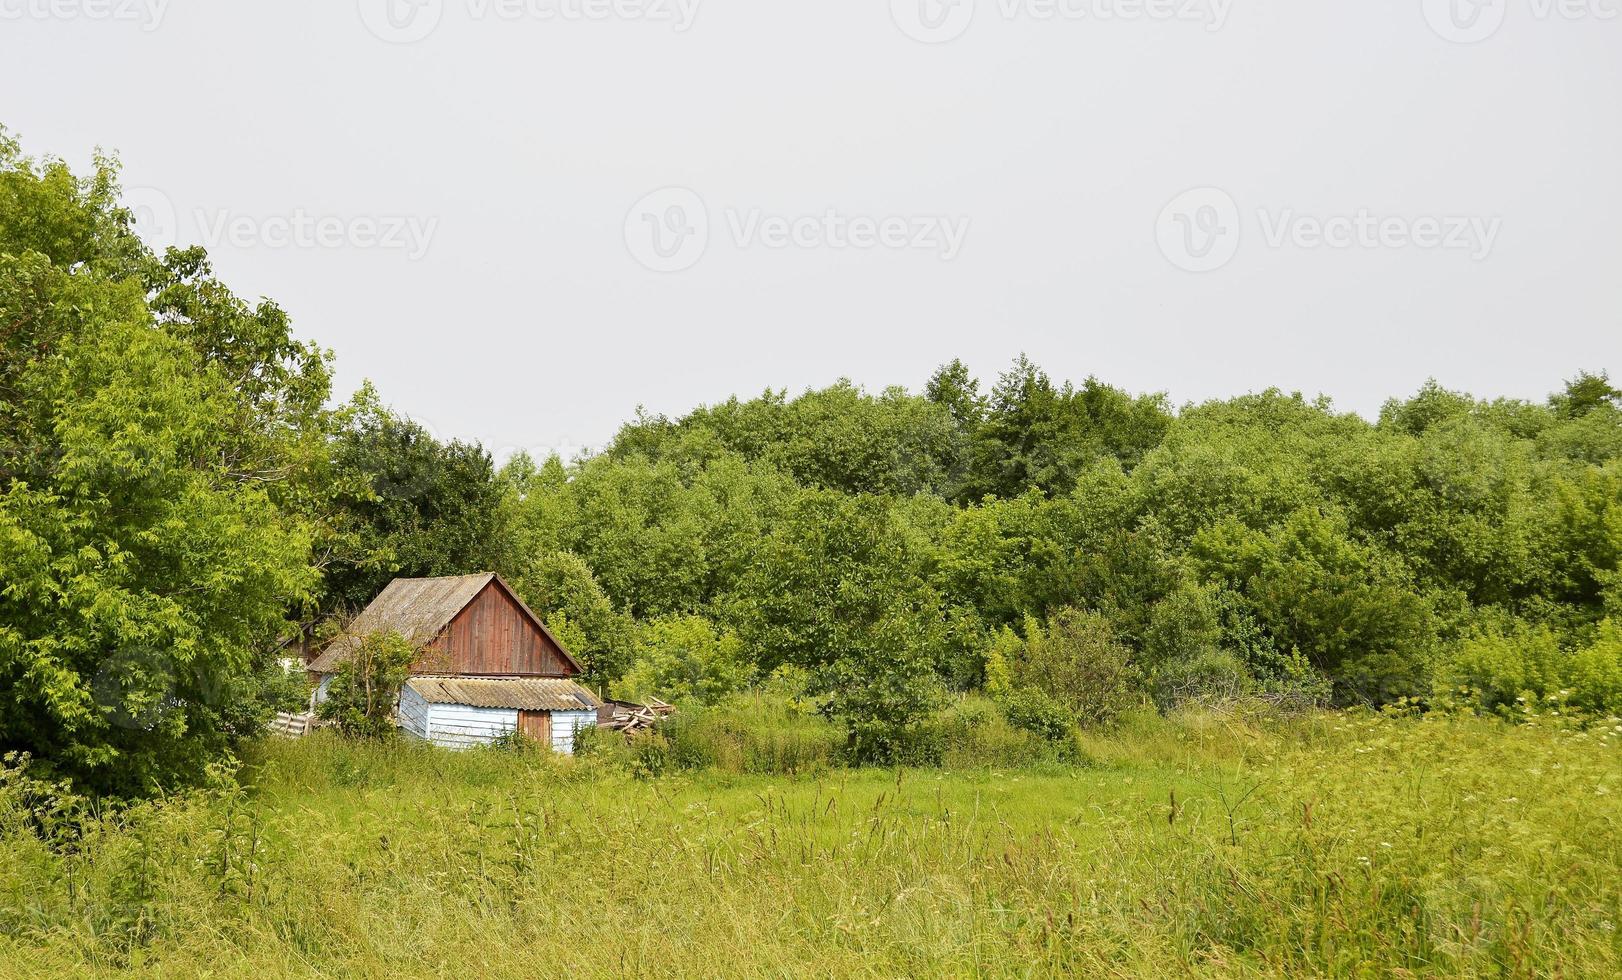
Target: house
(489, 665)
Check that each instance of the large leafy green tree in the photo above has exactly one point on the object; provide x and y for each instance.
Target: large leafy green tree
(147, 566)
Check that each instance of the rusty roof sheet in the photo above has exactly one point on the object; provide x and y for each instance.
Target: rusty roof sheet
(523, 693)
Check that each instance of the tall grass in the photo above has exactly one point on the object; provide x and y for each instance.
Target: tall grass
(1212, 844)
(750, 733)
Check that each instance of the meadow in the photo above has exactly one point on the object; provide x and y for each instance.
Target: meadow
(1205, 844)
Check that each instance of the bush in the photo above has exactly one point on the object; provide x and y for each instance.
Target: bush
(1184, 627)
(1211, 675)
(361, 698)
(751, 733)
(1494, 669)
(972, 733)
(1076, 660)
(1030, 710)
(1296, 685)
(1594, 673)
(684, 660)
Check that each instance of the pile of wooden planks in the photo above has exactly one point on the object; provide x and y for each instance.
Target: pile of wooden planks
(633, 718)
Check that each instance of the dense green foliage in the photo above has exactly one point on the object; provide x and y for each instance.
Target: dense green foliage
(1102, 550)
(1334, 844)
(363, 691)
(179, 501)
(155, 440)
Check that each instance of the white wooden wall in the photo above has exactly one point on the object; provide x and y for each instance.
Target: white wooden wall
(412, 713)
(457, 726)
(564, 725)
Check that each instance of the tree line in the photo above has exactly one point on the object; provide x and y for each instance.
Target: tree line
(181, 501)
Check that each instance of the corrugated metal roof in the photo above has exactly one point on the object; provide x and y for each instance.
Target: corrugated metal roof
(524, 693)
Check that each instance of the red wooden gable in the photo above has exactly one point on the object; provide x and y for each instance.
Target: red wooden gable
(495, 635)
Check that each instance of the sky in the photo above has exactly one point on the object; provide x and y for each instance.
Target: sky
(522, 219)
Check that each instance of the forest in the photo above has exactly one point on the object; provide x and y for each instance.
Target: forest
(181, 498)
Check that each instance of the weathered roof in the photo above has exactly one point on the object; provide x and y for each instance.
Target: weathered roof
(524, 693)
(418, 609)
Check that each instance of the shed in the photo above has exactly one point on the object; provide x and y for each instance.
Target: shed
(489, 665)
(457, 712)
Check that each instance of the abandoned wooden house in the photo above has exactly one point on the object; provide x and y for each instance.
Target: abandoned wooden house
(489, 666)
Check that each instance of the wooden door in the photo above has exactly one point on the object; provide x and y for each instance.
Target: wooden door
(537, 725)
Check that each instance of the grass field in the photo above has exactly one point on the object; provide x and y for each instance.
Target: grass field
(1206, 845)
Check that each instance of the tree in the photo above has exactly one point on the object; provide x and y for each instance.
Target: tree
(957, 391)
(1349, 609)
(413, 505)
(836, 589)
(1587, 393)
(147, 570)
(560, 588)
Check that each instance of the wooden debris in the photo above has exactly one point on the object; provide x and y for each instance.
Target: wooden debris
(631, 718)
(289, 725)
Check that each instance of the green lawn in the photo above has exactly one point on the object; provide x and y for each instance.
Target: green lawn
(1332, 845)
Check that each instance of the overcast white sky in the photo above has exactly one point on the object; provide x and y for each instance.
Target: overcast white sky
(985, 178)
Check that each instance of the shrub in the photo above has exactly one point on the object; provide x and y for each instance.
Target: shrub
(1076, 660)
(1030, 710)
(1001, 657)
(1496, 668)
(751, 733)
(1594, 673)
(1184, 627)
(1211, 675)
(973, 733)
(1296, 685)
(644, 753)
(885, 691)
(791, 685)
(362, 695)
(684, 660)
